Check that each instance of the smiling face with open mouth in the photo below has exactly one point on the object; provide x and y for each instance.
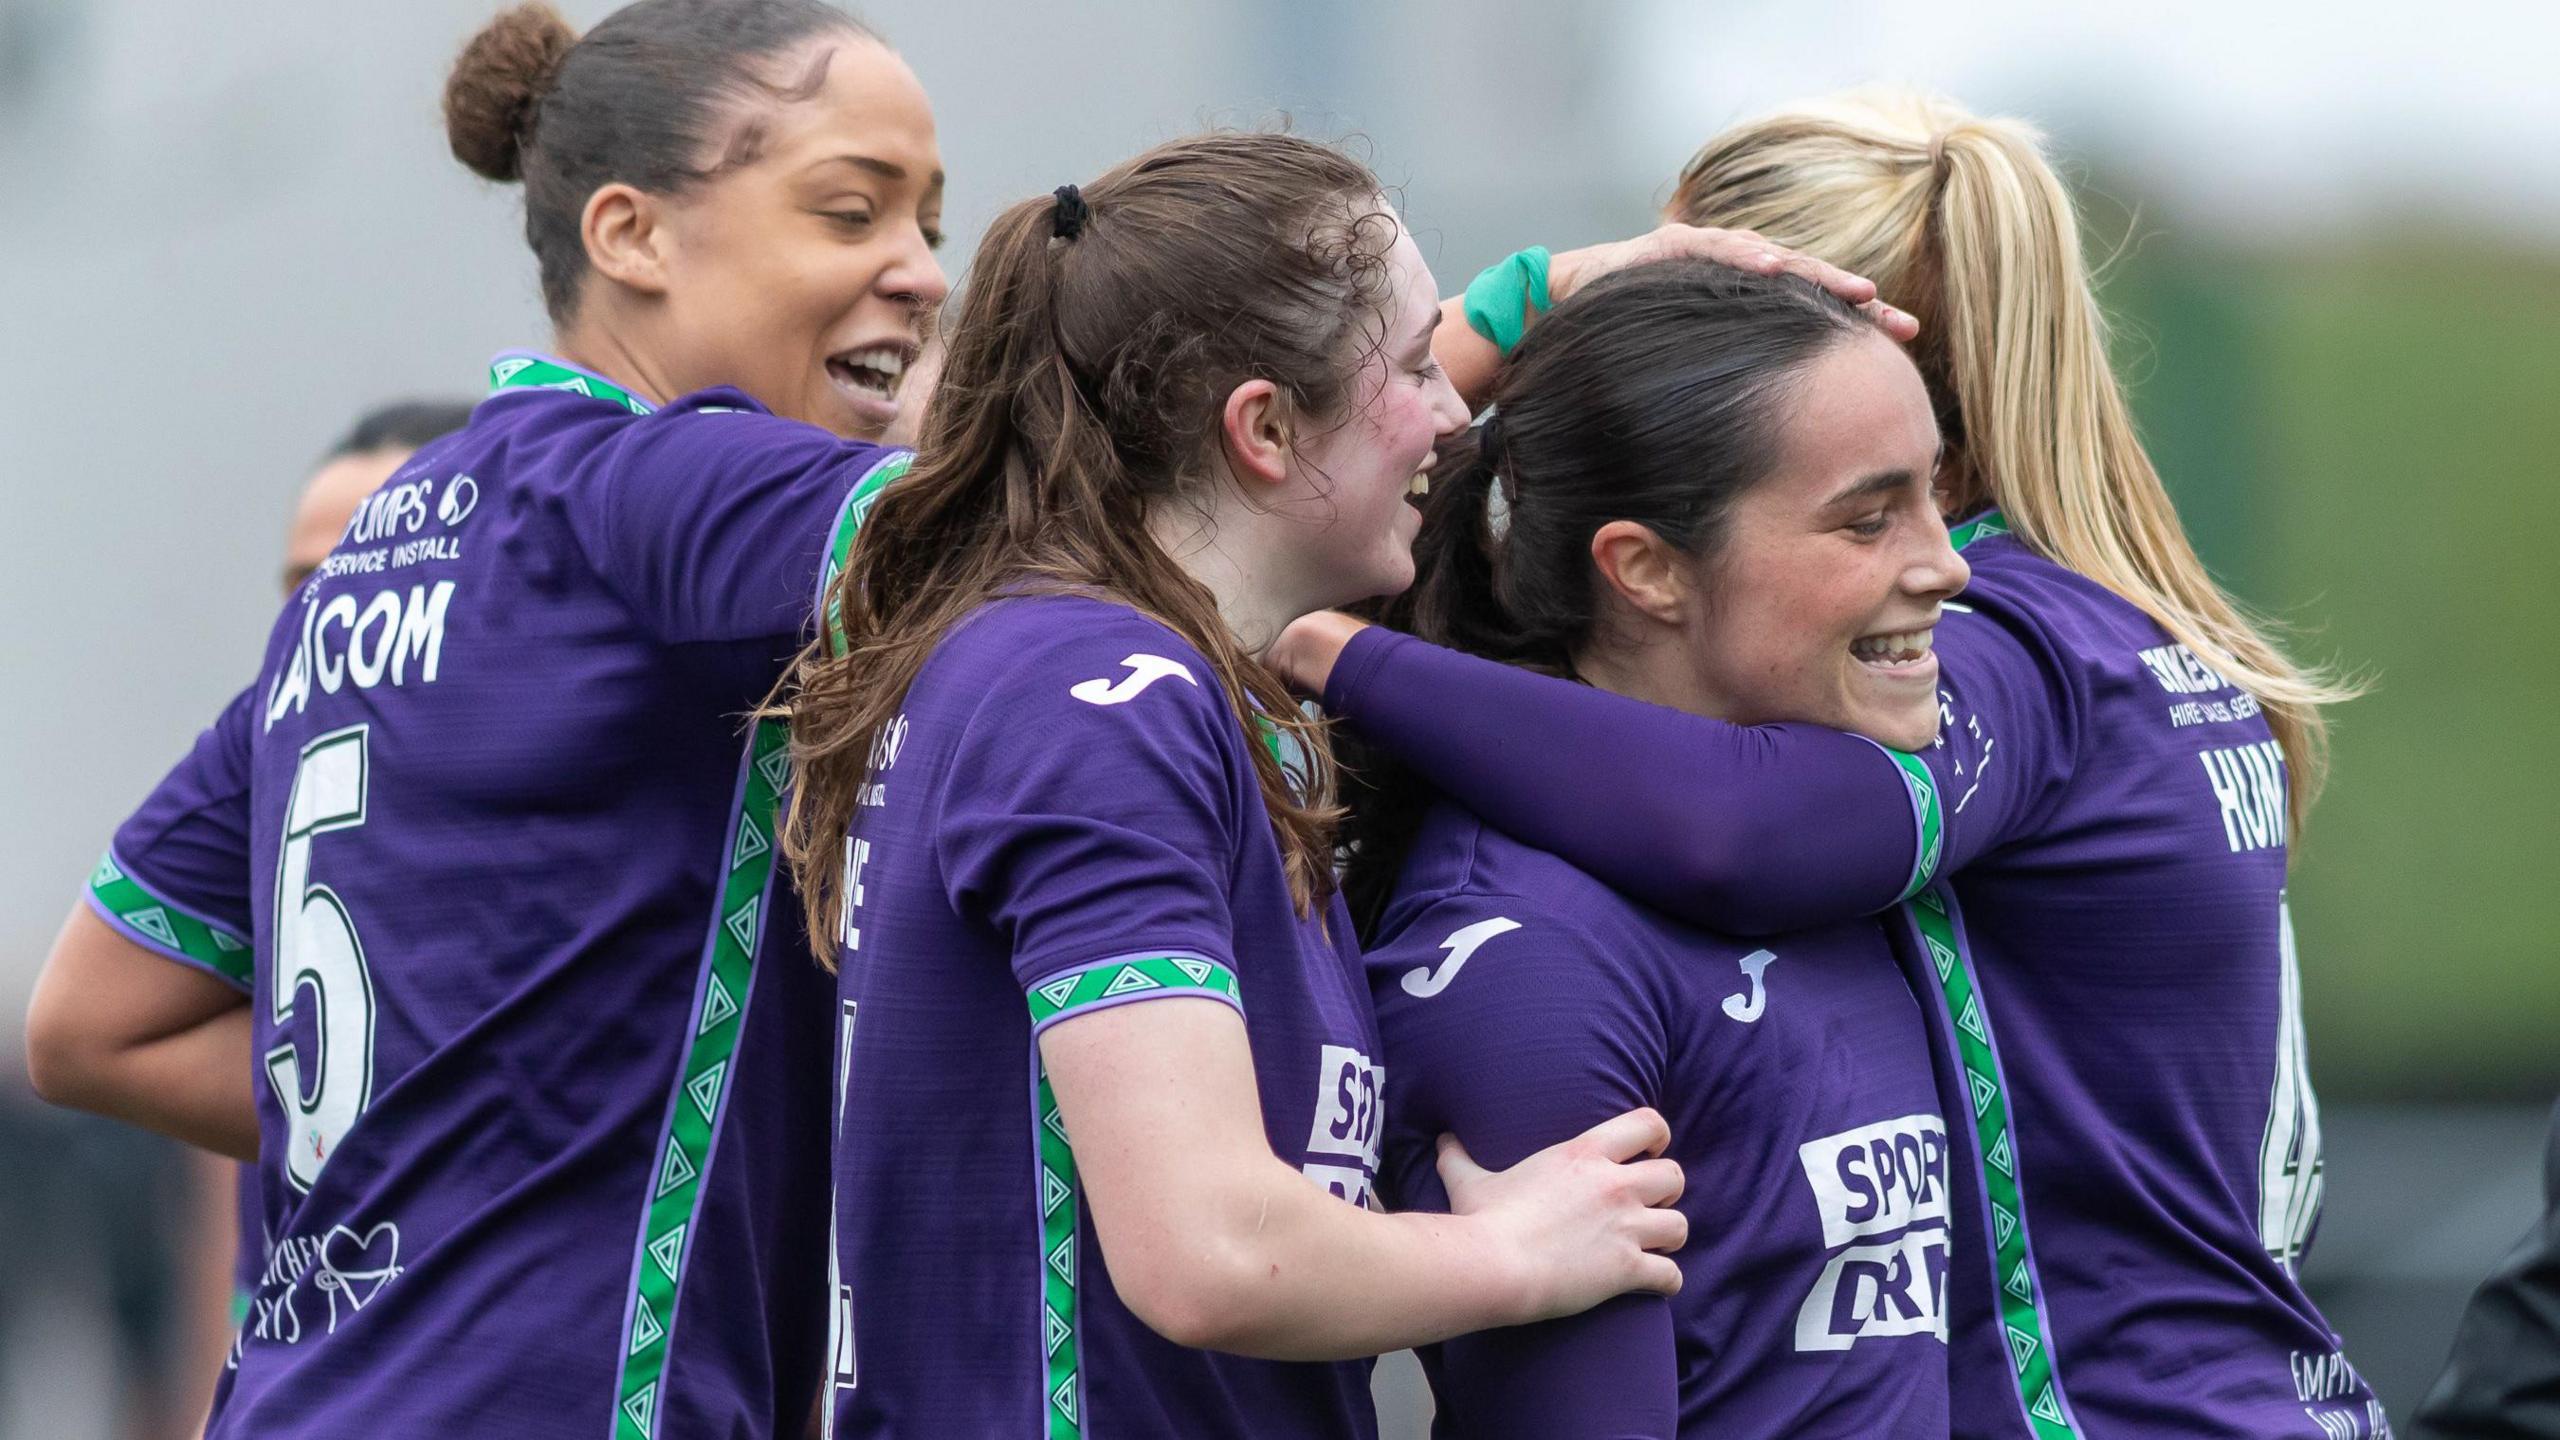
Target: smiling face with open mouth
(804, 274)
(1822, 602)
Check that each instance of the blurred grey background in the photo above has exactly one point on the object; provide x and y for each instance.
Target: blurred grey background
(2333, 236)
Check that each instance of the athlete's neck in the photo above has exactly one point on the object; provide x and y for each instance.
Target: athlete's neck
(1217, 546)
(1652, 667)
(598, 348)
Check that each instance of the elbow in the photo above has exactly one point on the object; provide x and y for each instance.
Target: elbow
(1199, 1300)
(64, 1062)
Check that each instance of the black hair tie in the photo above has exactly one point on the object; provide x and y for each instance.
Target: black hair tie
(1067, 221)
(1489, 440)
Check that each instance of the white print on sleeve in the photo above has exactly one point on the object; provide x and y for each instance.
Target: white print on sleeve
(1424, 981)
(1144, 670)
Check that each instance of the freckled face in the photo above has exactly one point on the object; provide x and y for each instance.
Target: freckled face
(1821, 602)
(803, 277)
(1358, 474)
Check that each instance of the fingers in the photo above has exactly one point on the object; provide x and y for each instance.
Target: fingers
(1641, 1131)
(1657, 1275)
(1457, 1168)
(1902, 325)
(1660, 1231)
(1657, 1182)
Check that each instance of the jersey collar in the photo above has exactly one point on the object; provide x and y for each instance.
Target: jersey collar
(1981, 527)
(523, 369)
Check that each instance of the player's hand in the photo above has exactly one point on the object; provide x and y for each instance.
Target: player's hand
(1741, 249)
(1305, 653)
(1581, 1221)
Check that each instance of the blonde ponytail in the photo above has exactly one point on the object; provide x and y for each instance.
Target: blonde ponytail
(1960, 220)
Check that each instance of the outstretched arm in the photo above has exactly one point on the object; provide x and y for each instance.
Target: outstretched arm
(1471, 360)
(1752, 828)
(1217, 1243)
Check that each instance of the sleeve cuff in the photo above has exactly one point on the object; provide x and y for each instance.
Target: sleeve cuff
(1126, 979)
(166, 929)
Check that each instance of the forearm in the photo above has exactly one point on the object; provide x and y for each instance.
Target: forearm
(1754, 829)
(193, 1085)
(118, 1030)
(1288, 1272)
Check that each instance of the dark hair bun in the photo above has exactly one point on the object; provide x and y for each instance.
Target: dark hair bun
(497, 87)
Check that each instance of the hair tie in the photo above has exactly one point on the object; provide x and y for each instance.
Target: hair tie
(1067, 221)
(1489, 440)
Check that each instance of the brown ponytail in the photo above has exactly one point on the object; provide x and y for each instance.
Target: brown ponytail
(1082, 388)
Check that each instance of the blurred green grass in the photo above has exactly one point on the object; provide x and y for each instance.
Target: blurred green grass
(2366, 445)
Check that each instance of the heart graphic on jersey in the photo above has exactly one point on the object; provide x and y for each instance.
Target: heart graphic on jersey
(356, 1267)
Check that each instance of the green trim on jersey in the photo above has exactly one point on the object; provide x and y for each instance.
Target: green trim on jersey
(187, 936)
(684, 1148)
(1061, 1197)
(1061, 1200)
(1980, 527)
(1056, 999)
(1927, 815)
(2022, 1318)
(857, 508)
(520, 371)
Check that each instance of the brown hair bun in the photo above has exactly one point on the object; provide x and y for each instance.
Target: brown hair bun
(497, 85)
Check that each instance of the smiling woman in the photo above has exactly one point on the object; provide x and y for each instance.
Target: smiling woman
(474, 886)
(769, 225)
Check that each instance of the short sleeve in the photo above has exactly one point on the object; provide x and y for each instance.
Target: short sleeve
(175, 879)
(712, 518)
(1091, 810)
(1505, 1026)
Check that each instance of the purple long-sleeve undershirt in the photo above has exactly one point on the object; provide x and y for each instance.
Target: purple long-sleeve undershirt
(1753, 829)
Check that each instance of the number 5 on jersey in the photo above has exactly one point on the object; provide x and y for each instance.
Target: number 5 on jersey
(317, 951)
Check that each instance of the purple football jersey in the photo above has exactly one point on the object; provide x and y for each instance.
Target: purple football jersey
(1522, 1002)
(1064, 817)
(490, 845)
(2093, 856)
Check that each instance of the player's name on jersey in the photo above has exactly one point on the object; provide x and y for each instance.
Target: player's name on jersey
(386, 638)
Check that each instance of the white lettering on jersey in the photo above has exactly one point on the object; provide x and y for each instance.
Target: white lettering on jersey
(1350, 1103)
(1747, 1008)
(1878, 1177)
(2180, 672)
(1888, 1177)
(1144, 670)
(1424, 981)
(2248, 785)
(857, 853)
(344, 643)
(1896, 1287)
(2291, 1174)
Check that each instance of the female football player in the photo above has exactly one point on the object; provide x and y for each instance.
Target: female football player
(1663, 441)
(492, 847)
(2120, 761)
(1112, 1103)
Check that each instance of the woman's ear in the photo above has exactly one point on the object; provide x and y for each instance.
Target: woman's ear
(1644, 569)
(1254, 429)
(627, 237)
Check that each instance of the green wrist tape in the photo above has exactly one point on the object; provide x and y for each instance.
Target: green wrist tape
(1501, 300)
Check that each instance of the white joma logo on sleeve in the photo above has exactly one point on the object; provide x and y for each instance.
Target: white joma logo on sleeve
(1144, 670)
(1424, 981)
